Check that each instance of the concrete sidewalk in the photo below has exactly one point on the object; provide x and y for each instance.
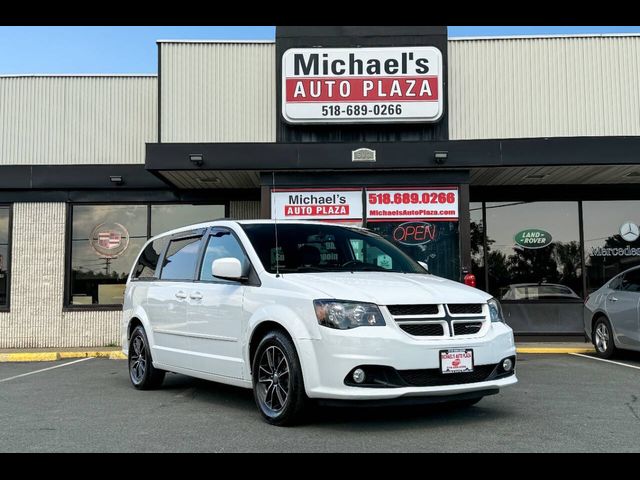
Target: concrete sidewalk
(115, 353)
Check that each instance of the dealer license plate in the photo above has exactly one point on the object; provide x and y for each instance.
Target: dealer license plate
(457, 360)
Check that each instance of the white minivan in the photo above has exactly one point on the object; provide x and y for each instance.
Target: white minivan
(302, 311)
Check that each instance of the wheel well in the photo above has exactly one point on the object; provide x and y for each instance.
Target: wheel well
(259, 333)
(133, 323)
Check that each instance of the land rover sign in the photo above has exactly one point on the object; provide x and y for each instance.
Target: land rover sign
(362, 85)
(533, 238)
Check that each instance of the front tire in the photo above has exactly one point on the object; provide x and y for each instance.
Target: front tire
(278, 386)
(603, 338)
(142, 373)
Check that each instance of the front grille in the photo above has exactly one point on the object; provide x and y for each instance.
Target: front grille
(467, 328)
(423, 329)
(462, 308)
(413, 309)
(432, 377)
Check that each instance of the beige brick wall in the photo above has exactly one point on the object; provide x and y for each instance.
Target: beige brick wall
(36, 319)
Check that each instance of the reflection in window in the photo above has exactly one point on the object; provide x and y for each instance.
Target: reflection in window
(477, 243)
(105, 242)
(611, 239)
(106, 239)
(168, 217)
(4, 255)
(534, 251)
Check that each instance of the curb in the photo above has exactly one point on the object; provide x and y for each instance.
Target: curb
(118, 355)
(556, 350)
(52, 356)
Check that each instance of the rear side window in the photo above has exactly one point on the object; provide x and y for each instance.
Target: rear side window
(180, 261)
(148, 261)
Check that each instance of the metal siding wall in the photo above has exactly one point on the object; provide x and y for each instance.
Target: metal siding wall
(76, 120)
(36, 319)
(248, 210)
(218, 92)
(544, 87)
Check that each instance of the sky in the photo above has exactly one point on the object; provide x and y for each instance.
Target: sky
(129, 49)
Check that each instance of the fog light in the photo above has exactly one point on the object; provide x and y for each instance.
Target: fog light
(507, 364)
(358, 375)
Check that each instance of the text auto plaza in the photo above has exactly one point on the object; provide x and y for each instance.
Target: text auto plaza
(513, 159)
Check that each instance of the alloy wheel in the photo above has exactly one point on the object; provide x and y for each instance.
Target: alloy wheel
(602, 337)
(273, 379)
(138, 361)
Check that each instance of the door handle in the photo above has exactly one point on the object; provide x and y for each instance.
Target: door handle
(195, 296)
(181, 295)
(613, 299)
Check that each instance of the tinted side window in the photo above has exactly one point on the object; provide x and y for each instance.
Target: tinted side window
(631, 281)
(221, 244)
(148, 261)
(616, 283)
(180, 261)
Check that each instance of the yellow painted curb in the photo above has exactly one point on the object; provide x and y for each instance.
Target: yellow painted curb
(554, 350)
(28, 357)
(52, 356)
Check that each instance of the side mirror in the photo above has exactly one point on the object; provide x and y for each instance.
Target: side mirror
(227, 268)
(424, 265)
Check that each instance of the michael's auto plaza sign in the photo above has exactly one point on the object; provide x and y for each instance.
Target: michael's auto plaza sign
(362, 85)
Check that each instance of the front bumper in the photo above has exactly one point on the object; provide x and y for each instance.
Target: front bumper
(326, 362)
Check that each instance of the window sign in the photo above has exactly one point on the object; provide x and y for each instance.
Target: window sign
(436, 204)
(335, 205)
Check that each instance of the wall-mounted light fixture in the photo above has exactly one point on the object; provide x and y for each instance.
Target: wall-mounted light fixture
(440, 157)
(196, 158)
(117, 179)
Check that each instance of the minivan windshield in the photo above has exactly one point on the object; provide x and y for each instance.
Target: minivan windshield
(326, 248)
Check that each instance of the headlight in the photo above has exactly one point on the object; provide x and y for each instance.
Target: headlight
(345, 315)
(495, 310)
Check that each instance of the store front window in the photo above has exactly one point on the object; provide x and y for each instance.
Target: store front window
(476, 231)
(533, 251)
(105, 240)
(611, 239)
(434, 243)
(4, 256)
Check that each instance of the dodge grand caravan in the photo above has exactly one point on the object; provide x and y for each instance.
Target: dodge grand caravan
(303, 311)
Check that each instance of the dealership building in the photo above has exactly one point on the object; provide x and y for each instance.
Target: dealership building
(516, 159)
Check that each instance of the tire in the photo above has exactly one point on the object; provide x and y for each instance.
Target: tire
(278, 386)
(142, 373)
(603, 338)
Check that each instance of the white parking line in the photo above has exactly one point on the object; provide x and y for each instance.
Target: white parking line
(605, 360)
(45, 369)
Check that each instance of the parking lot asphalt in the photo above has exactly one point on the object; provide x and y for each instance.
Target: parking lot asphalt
(562, 403)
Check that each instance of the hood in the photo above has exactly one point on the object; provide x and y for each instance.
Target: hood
(387, 288)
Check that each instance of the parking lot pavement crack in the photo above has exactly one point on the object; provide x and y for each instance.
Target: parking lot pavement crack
(631, 404)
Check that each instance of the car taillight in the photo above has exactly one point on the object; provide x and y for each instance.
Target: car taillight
(470, 279)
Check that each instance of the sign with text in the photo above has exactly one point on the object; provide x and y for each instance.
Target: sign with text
(437, 203)
(344, 205)
(362, 85)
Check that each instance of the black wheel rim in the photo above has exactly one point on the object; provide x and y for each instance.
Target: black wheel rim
(273, 385)
(138, 359)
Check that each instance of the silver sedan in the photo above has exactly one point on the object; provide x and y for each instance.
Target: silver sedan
(611, 314)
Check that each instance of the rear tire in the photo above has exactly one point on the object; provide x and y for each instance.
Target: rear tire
(142, 373)
(603, 338)
(278, 386)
